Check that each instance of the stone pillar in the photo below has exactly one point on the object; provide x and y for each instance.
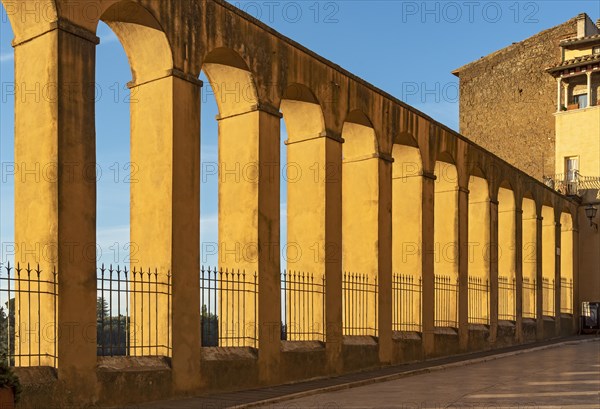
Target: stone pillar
(576, 300)
(55, 197)
(165, 219)
(494, 258)
(566, 94)
(333, 254)
(249, 225)
(361, 245)
(314, 226)
(428, 262)
(538, 277)
(557, 275)
(519, 273)
(385, 259)
(589, 88)
(463, 268)
(558, 93)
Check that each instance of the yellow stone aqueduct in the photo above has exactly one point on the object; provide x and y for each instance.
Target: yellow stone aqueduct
(385, 190)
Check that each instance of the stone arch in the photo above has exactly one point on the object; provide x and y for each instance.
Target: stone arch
(24, 24)
(359, 136)
(302, 113)
(232, 82)
(566, 261)
(305, 177)
(144, 40)
(360, 215)
(530, 245)
(241, 141)
(479, 247)
(446, 241)
(407, 225)
(152, 142)
(507, 231)
(548, 259)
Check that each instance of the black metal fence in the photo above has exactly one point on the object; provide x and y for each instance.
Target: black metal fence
(28, 305)
(529, 298)
(572, 183)
(566, 296)
(406, 303)
(507, 295)
(229, 300)
(359, 302)
(479, 300)
(548, 297)
(133, 312)
(303, 301)
(446, 301)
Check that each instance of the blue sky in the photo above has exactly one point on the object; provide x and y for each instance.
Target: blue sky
(406, 48)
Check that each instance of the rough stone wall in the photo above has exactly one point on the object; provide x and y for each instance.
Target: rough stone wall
(507, 100)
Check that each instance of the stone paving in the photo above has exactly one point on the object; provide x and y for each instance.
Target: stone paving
(565, 376)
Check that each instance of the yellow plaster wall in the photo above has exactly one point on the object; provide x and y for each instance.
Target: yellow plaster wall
(578, 134)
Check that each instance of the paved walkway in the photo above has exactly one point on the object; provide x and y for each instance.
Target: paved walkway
(471, 381)
(567, 377)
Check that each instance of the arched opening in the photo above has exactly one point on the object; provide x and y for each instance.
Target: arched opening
(360, 221)
(407, 224)
(548, 261)
(529, 257)
(446, 242)
(566, 263)
(479, 249)
(304, 200)
(134, 280)
(507, 231)
(230, 162)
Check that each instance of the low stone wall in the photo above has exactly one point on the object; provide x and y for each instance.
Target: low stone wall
(129, 380)
(408, 347)
(479, 338)
(446, 342)
(549, 327)
(506, 334)
(302, 360)
(132, 380)
(360, 353)
(567, 325)
(228, 369)
(529, 330)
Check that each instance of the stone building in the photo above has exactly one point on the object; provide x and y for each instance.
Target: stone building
(507, 99)
(546, 91)
(577, 153)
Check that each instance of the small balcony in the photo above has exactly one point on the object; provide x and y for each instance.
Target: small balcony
(572, 184)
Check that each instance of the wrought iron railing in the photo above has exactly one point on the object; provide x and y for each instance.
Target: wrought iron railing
(406, 303)
(548, 297)
(446, 301)
(566, 296)
(359, 302)
(229, 311)
(507, 295)
(28, 308)
(479, 300)
(529, 298)
(133, 312)
(572, 184)
(303, 301)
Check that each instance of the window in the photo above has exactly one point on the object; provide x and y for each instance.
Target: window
(572, 168)
(580, 100)
(596, 50)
